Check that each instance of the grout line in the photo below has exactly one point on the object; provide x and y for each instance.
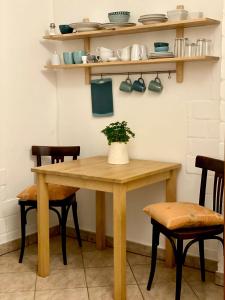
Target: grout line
(85, 275)
(135, 279)
(193, 290)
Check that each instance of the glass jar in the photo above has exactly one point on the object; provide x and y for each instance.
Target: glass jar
(179, 47)
(201, 47)
(208, 47)
(52, 30)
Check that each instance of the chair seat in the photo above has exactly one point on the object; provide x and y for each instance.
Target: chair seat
(175, 215)
(56, 192)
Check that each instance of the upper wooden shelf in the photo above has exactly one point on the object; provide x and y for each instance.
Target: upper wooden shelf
(134, 29)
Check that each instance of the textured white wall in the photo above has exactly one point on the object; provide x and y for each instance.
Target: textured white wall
(175, 126)
(28, 106)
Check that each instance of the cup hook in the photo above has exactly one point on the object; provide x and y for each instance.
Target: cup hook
(101, 75)
(169, 75)
(128, 76)
(157, 75)
(141, 76)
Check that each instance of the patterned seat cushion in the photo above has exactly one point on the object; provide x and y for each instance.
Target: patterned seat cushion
(56, 192)
(174, 215)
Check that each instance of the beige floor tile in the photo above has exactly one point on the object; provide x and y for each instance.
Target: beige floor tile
(193, 275)
(106, 293)
(73, 262)
(207, 290)
(69, 294)
(166, 290)
(98, 258)
(17, 296)
(141, 273)
(9, 263)
(136, 259)
(97, 277)
(62, 279)
(88, 246)
(17, 282)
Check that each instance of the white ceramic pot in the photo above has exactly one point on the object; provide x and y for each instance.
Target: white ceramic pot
(118, 154)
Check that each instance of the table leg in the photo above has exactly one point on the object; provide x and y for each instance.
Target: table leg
(100, 220)
(43, 226)
(170, 197)
(119, 232)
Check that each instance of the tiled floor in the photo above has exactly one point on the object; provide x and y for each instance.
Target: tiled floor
(89, 275)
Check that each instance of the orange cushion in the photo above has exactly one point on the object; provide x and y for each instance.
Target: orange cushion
(175, 215)
(55, 191)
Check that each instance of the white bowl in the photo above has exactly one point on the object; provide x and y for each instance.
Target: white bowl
(177, 15)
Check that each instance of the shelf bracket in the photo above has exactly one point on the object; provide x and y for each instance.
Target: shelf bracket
(87, 70)
(180, 65)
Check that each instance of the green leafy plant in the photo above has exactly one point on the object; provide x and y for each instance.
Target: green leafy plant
(118, 132)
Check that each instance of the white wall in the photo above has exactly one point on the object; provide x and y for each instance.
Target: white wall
(28, 106)
(175, 126)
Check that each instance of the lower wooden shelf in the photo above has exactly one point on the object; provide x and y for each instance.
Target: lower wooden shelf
(178, 60)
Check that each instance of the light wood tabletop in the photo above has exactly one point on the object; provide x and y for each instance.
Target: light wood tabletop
(96, 174)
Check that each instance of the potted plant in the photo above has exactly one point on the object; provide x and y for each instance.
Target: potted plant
(118, 135)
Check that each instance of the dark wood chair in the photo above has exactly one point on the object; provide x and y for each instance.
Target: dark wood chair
(62, 197)
(199, 222)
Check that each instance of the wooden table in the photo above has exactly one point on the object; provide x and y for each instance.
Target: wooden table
(96, 174)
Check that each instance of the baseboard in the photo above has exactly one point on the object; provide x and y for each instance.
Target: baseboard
(191, 261)
(30, 239)
(219, 279)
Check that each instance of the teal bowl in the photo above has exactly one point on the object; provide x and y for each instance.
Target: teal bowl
(162, 49)
(64, 29)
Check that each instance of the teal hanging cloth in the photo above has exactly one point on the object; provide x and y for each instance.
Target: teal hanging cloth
(102, 97)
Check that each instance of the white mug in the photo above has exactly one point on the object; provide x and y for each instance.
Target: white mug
(136, 52)
(55, 59)
(124, 54)
(84, 59)
(144, 52)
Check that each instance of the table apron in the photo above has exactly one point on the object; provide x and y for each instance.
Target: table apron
(151, 179)
(79, 182)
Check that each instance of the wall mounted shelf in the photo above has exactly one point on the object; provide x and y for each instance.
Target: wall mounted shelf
(134, 29)
(178, 26)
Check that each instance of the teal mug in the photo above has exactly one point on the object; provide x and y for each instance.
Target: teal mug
(139, 85)
(126, 86)
(68, 58)
(155, 85)
(77, 56)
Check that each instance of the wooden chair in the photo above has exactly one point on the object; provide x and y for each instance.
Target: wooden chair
(59, 196)
(183, 221)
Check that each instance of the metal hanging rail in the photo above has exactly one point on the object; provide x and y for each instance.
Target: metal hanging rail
(169, 72)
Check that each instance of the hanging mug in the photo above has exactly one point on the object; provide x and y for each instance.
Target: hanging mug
(126, 86)
(155, 85)
(139, 85)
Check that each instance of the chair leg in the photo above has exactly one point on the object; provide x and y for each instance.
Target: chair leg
(155, 243)
(75, 219)
(202, 259)
(63, 233)
(23, 231)
(179, 262)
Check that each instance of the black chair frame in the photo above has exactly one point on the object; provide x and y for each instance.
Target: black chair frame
(57, 154)
(199, 234)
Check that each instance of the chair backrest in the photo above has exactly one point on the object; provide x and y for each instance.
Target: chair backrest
(57, 153)
(217, 166)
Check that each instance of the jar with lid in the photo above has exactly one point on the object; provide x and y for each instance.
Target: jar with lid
(208, 47)
(201, 43)
(52, 30)
(179, 46)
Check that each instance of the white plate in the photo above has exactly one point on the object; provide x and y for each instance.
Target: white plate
(113, 59)
(85, 26)
(153, 16)
(146, 22)
(116, 25)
